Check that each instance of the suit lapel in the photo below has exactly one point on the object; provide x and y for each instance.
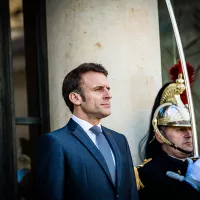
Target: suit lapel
(115, 149)
(82, 136)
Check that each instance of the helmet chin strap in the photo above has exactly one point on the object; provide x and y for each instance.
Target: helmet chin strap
(166, 141)
(181, 150)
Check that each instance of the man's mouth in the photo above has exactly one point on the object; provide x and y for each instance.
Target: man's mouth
(188, 142)
(105, 105)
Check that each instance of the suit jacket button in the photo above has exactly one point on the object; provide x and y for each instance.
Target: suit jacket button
(117, 196)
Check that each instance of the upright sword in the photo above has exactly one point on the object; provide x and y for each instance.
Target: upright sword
(185, 73)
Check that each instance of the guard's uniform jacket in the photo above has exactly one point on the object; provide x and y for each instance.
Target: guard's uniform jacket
(153, 182)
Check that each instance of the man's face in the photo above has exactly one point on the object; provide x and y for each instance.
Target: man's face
(96, 90)
(181, 137)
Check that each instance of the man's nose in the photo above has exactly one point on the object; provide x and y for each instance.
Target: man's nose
(188, 132)
(107, 94)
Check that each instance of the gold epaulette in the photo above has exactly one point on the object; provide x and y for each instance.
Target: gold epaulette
(137, 178)
(144, 162)
(139, 183)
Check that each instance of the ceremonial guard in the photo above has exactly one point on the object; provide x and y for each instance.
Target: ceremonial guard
(168, 172)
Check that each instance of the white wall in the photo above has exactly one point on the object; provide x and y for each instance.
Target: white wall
(123, 36)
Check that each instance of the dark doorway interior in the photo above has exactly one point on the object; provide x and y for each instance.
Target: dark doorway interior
(24, 99)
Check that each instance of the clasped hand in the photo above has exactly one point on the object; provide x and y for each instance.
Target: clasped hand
(192, 175)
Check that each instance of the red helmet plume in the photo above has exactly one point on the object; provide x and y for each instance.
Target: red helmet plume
(177, 69)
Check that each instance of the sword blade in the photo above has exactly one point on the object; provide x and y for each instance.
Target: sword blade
(186, 79)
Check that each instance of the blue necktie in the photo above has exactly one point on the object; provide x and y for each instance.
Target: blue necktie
(105, 150)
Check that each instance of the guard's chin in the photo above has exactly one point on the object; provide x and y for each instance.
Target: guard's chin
(189, 149)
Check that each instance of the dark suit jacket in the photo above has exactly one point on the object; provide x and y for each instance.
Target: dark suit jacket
(158, 186)
(70, 167)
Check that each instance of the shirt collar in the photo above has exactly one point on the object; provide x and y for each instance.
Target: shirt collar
(182, 159)
(84, 124)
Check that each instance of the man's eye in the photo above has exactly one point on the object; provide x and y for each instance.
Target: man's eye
(98, 89)
(182, 129)
(101, 88)
(178, 129)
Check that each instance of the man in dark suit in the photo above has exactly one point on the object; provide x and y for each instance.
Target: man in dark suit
(84, 160)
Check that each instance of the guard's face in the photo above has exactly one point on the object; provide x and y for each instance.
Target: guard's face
(181, 137)
(97, 96)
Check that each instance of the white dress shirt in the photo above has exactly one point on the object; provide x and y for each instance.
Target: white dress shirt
(86, 127)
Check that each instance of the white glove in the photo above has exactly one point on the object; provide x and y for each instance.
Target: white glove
(192, 175)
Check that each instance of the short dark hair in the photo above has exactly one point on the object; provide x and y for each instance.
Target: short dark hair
(72, 81)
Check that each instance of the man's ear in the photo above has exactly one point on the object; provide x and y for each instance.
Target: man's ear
(75, 98)
(158, 138)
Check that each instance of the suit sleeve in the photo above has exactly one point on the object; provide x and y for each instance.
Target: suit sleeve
(49, 169)
(133, 187)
